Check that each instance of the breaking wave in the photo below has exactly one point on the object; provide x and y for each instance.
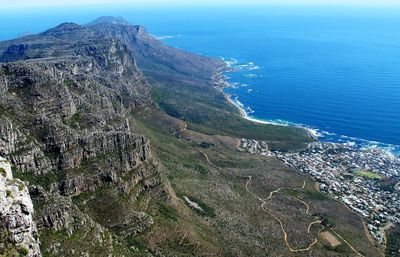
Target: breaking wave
(321, 135)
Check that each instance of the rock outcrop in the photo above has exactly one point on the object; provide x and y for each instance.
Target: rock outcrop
(18, 233)
(73, 108)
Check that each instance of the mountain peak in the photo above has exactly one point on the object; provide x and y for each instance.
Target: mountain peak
(65, 29)
(109, 20)
(66, 26)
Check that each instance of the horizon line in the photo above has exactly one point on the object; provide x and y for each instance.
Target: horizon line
(125, 3)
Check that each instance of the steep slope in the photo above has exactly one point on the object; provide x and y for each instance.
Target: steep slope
(64, 104)
(149, 53)
(18, 233)
(65, 101)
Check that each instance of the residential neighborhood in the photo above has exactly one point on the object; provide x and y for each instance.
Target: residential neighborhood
(366, 179)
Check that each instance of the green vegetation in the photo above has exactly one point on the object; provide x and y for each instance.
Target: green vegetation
(387, 184)
(393, 243)
(367, 174)
(10, 249)
(326, 219)
(3, 172)
(342, 249)
(168, 212)
(84, 240)
(21, 186)
(222, 194)
(316, 195)
(77, 121)
(132, 212)
(3, 111)
(22, 251)
(44, 180)
(5, 71)
(67, 82)
(136, 243)
(206, 111)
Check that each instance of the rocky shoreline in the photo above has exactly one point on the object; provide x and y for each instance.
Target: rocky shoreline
(220, 83)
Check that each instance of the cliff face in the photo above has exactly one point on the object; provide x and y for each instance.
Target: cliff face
(66, 96)
(74, 106)
(18, 233)
(59, 112)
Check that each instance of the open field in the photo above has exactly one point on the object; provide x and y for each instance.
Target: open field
(368, 174)
(333, 241)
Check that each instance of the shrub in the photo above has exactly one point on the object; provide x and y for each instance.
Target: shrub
(168, 211)
(3, 172)
(22, 251)
(393, 244)
(21, 186)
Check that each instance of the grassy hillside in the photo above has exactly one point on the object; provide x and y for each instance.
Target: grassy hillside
(206, 110)
(232, 220)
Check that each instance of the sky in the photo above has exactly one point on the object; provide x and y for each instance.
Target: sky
(7, 4)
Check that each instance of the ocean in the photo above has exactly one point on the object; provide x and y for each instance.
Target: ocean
(335, 70)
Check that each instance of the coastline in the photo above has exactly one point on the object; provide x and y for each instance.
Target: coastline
(220, 83)
(320, 161)
(311, 132)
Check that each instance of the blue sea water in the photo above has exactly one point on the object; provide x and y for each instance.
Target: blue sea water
(335, 69)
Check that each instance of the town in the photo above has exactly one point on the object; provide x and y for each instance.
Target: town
(366, 179)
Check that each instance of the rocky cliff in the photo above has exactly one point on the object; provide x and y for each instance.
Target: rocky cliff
(66, 96)
(18, 233)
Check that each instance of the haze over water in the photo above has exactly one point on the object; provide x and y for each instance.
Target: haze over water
(330, 68)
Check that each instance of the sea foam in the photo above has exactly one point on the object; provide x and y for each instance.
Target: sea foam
(325, 136)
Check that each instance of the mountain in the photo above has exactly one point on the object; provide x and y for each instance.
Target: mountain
(129, 148)
(71, 39)
(109, 20)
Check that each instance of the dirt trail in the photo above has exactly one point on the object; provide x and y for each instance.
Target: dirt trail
(304, 203)
(312, 223)
(208, 160)
(383, 232)
(285, 234)
(274, 192)
(269, 211)
(302, 187)
(344, 240)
